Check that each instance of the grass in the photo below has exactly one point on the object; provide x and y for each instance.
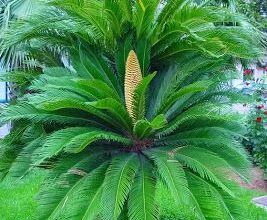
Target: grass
(255, 213)
(171, 211)
(17, 197)
(17, 201)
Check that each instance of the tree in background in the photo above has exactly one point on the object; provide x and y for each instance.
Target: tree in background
(256, 11)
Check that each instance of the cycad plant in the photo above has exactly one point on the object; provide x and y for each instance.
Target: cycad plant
(10, 11)
(143, 99)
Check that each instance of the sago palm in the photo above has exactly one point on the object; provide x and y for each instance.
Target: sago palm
(143, 100)
(10, 11)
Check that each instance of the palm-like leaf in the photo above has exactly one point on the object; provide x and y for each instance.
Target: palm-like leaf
(107, 149)
(142, 196)
(117, 184)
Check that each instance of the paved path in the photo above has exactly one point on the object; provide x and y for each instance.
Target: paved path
(4, 131)
(261, 201)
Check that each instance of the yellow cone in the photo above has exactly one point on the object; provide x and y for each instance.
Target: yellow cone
(133, 77)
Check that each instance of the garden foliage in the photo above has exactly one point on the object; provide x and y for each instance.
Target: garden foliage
(256, 138)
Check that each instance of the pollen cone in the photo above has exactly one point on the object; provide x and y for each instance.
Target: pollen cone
(133, 77)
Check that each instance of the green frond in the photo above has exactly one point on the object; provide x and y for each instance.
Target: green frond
(144, 128)
(117, 184)
(90, 89)
(187, 156)
(201, 111)
(213, 139)
(143, 50)
(22, 165)
(86, 191)
(124, 46)
(28, 112)
(73, 140)
(139, 98)
(141, 204)
(169, 9)
(8, 155)
(186, 90)
(66, 181)
(126, 7)
(144, 16)
(89, 12)
(21, 78)
(208, 198)
(237, 164)
(51, 106)
(116, 110)
(189, 70)
(10, 147)
(95, 66)
(114, 15)
(172, 174)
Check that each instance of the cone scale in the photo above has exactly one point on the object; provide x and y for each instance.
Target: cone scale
(133, 77)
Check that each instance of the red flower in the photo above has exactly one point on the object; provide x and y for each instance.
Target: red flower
(246, 72)
(259, 119)
(260, 106)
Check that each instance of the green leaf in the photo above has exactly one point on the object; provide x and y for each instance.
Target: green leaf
(194, 159)
(140, 96)
(68, 180)
(117, 184)
(143, 53)
(159, 122)
(193, 88)
(73, 140)
(206, 111)
(219, 140)
(144, 17)
(141, 203)
(123, 49)
(208, 198)
(169, 10)
(144, 128)
(28, 112)
(84, 199)
(65, 103)
(78, 143)
(92, 66)
(173, 175)
(116, 110)
(99, 88)
(22, 165)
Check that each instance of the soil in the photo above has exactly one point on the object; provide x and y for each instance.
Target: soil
(257, 181)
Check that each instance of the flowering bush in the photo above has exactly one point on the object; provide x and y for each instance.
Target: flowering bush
(256, 141)
(248, 74)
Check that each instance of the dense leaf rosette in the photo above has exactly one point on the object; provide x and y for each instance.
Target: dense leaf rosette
(105, 160)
